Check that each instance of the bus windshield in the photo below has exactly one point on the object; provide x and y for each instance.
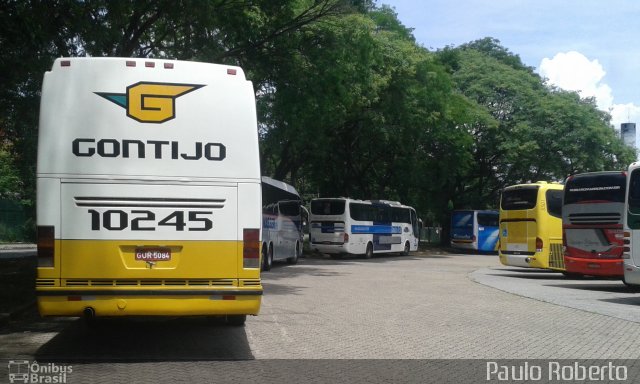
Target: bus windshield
(598, 188)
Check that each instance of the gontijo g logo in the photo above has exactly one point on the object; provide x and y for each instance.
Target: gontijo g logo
(149, 102)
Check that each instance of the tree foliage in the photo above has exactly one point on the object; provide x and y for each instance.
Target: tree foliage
(349, 104)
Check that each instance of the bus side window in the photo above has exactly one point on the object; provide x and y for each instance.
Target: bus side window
(554, 202)
(633, 219)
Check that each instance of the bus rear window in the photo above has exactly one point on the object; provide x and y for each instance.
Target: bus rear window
(488, 219)
(595, 188)
(327, 207)
(519, 198)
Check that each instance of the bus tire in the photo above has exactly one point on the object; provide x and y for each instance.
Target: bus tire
(294, 259)
(407, 247)
(368, 253)
(267, 257)
(236, 320)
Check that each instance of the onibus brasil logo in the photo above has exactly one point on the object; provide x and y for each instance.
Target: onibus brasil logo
(149, 102)
(24, 371)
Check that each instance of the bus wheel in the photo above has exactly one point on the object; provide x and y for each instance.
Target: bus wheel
(294, 259)
(267, 257)
(236, 320)
(406, 249)
(368, 253)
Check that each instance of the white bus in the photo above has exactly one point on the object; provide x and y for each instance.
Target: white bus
(282, 236)
(631, 225)
(362, 227)
(148, 190)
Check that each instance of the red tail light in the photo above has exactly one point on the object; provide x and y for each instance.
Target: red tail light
(46, 243)
(345, 238)
(251, 248)
(539, 244)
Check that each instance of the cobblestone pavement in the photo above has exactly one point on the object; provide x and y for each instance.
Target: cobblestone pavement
(424, 306)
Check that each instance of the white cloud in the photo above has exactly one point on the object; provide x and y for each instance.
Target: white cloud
(575, 72)
(625, 113)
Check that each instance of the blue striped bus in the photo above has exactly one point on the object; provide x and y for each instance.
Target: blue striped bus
(362, 227)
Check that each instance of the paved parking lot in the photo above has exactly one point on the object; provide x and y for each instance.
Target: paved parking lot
(423, 306)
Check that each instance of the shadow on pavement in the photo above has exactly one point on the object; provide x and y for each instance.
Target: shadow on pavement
(613, 287)
(635, 301)
(141, 340)
(531, 276)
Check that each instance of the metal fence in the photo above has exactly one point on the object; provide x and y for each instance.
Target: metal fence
(430, 235)
(12, 220)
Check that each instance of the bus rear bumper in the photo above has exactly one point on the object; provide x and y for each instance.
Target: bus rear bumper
(631, 274)
(464, 244)
(525, 261)
(114, 304)
(329, 248)
(595, 267)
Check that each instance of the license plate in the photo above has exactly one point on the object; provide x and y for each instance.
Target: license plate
(153, 254)
(593, 265)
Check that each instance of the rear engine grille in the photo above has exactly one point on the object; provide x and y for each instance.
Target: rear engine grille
(249, 283)
(45, 282)
(556, 257)
(143, 282)
(595, 218)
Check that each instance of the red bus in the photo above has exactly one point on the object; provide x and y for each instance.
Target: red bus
(592, 215)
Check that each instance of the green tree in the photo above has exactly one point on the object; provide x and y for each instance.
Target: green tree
(530, 131)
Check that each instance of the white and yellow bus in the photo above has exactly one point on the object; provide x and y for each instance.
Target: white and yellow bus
(531, 226)
(149, 197)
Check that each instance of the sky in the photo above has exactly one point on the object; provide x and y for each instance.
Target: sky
(590, 46)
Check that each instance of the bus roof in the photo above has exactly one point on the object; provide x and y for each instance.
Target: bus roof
(538, 184)
(280, 185)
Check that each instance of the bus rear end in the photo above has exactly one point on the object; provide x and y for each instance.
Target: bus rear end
(531, 226)
(464, 230)
(328, 226)
(148, 190)
(592, 223)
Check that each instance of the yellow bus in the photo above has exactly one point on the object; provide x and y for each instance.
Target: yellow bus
(531, 226)
(149, 196)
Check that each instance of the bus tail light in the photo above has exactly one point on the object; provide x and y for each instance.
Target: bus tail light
(46, 243)
(345, 238)
(626, 249)
(539, 244)
(251, 248)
